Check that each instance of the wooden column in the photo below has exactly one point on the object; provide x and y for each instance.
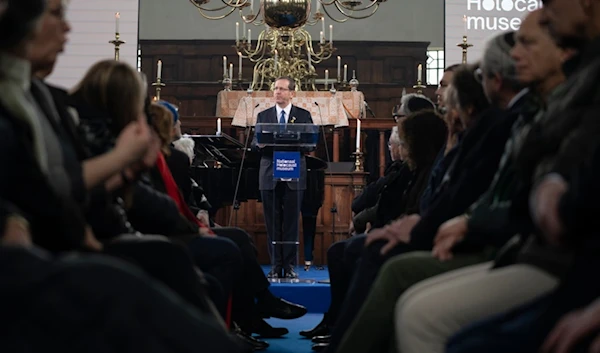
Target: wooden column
(336, 145)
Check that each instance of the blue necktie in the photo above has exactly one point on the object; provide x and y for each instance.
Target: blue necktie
(282, 119)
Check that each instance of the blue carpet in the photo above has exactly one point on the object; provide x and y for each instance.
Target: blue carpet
(314, 296)
(293, 342)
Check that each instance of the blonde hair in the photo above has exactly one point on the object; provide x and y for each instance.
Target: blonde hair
(162, 123)
(114, 88)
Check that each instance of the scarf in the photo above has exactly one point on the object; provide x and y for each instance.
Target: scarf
(175, 194)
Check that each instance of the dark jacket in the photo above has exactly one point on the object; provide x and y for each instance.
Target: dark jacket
(469, 175)
(369, 196)
(269, 116)
(56, 223)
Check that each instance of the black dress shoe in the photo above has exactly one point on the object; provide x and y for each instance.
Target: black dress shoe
(255, 344)
(290, 273)
(274, 273)
(280, 308)
(320, 347)
(322, 329)
(264, 330)
(321, 339)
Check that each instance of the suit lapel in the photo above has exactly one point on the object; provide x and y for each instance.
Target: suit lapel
(273, 116)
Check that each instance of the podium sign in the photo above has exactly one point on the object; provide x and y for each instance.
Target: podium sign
(287, 165)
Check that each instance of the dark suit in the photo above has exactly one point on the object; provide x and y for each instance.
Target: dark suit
(281, 199)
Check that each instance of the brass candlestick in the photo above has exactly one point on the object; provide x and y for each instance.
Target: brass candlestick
(158, 85)
(227, 83)
(465, 47)
(419, 87)
(117, 42)
(358, 161)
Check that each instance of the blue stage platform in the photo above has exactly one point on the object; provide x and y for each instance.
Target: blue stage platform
(314, 296)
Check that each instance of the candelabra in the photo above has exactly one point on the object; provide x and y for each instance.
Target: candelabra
(419, 87)
(465, 47)
(284, 52)
(358, 161)
(158, 85)
(353, 82)
(117, 42)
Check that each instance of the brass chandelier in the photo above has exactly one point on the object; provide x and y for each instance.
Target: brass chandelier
(284, 47)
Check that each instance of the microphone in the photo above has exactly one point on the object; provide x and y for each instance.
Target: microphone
(239, 177)
(369, 109)
(324, 139)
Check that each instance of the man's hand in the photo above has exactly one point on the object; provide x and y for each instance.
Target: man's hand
(16, 232)
(394, 233)
(544, 206)
(572, 328)
(449, 234)
(90, 240)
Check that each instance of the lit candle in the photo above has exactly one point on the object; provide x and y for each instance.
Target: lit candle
(231, 72)
(420, 73)
(353, 73)
(237, 32)
(358, 134)
(339, 68)
(345, 72)
(218, 126)
(323, 25)
(322, 38)
(326, 79)
(249, 37)
(117, 18)
(224, 66)
(330, 34)
(159, 70)
(465, 23)
(240, 65)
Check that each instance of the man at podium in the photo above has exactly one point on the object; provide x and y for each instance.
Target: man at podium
(282, 198)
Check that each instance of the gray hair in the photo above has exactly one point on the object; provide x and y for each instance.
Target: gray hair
(497, 59)
(414, 102)
(186, 145)
(395, 136)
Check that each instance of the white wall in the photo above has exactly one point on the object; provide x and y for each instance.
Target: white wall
(396, 20)
(93, 26)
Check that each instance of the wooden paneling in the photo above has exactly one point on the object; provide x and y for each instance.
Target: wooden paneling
(192, 71)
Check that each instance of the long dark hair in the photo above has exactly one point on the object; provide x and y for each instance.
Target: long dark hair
(469, 92)
(19, 21)
(424, 133)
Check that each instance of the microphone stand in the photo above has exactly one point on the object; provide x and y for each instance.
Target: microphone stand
(235, 202)
(333, 209)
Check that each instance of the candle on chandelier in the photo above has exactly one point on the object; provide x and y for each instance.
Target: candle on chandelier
(117, 18)
(218, 126)
(339, 68)
(159, 70)
(243, 27)
(420, 73)
(249, 37)
(240, 65)
(252, 7)
(318, 6)
(237, 32)
(224, 66)
(323, 25)
(330, 34)
(326, 79)
(321, 38)
(345, 72)
(358, 134)
(231, 72)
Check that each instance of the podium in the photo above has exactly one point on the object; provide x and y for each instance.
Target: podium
(283, 162)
